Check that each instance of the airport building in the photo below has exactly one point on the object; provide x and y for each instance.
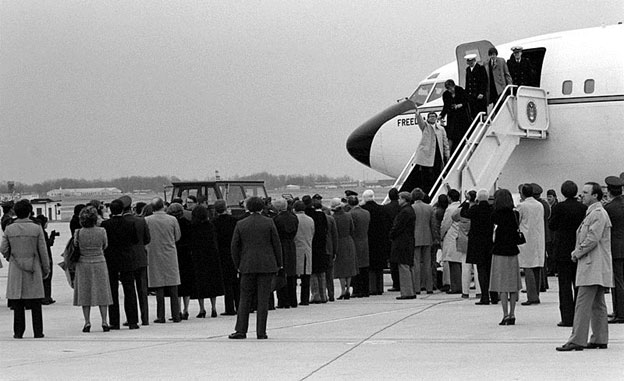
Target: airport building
(84, 192)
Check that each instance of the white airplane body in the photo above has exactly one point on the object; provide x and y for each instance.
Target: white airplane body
(583, 75)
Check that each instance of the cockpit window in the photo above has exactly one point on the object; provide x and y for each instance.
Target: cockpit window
(420, 95)
(437, 91)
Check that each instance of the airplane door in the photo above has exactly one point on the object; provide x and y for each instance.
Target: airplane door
(480, 48)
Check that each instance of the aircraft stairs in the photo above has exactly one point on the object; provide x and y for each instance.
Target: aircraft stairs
(522, 112)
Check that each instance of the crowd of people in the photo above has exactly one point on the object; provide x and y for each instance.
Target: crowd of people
(177, 251)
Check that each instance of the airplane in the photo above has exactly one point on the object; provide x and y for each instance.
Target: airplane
(580, 76)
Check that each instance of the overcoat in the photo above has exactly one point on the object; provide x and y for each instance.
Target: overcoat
(256, 247)
(593, 249)
(565, 218)
(521, 72)
(206, 264)
(361, 220)
(303, 243)
(392, 210)
(143, 238)
(345, 265)
(532, 253)
(402, 235)
(476, 83)
(24, 246)
(480, 233)
(425, 223)
(457, 119)
(499, 75)
(505, 232)
(378, 230)
(432, 136)
(449, 231)
(122, 236)
(615, 209)
(287, 224)
(162, 269)
(320, 259)
(332, 238)
(224, 226)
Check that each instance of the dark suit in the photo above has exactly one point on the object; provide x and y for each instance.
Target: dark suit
(615, 209)
(423, 239)
(458, 119)
(121, 262)
(480, 245)
(140, 274)
(521, 72)
(287, 224)
(257, 253)
(565, 218)
(476, 83)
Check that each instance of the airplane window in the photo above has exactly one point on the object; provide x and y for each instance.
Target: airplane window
(437, 92)
(420, 95)
(567, 87)
(589, 86)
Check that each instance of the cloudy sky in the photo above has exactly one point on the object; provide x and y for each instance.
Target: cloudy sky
(101, 89)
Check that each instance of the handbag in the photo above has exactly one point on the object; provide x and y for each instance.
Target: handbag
(279, 280)
(520, 238)
(72, 252)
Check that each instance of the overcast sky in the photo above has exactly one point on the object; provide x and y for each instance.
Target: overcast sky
(101, 89)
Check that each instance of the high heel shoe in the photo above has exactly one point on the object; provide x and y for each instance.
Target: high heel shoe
(341, 297)
(86, 328)
(347, 296)
(213, 314)
(184, 316)
(201, 314)
(106, 327)
(504, 321)
(511, 320)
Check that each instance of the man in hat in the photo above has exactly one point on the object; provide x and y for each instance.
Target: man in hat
(140, 256)
(348, 193)
(476, 85)
(520, 68)
(615, 209)
(325, 209)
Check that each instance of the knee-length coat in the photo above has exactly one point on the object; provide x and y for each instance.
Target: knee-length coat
(533, 252)
(303, 243)
(287, 224)
(361, 219)
(162, 269)
(207, 278)
(345, 265)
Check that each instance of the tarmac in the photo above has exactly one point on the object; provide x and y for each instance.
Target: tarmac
(436, 336)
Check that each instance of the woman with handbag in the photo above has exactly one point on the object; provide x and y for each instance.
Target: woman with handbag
(91, 284)
(505, 273)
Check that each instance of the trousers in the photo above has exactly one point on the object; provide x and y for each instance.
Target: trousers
(618, 290)
(407, 276)
(467, 271)
(329, 280)
(258, 284)
(19, 316)
(160, 302)
(590, 309)
(422, 268)
(140, 282)
(532, 278)
(567, 290)
(130, 298)
(484, 271)
(317, 287)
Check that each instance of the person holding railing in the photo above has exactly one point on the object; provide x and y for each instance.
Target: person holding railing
(456, 111)
(432, 152)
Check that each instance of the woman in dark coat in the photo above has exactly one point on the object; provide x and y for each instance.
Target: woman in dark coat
(402, 236)
(480, 243)
(505, 274)
(224, 224)
(208, 282)
(345, 264)
(287, 224)
(185, 263)
(456, 107)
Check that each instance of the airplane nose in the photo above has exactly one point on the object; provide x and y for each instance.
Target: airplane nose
(361, 139)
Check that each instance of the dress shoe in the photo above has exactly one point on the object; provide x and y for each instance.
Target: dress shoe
(494, 301)
(347, 296)
(237, 335)
(184, 316)
(562, 324)
(228, 313)
(482, 303)
(126, 324)
(116, 327)
(392, 289)
(144, 323)
(159, 321)
(567, 347)
(201, 315)
(176, 320)
(39, 336)
(47, 302)
(133, 326)
(465, 296)
(616, 321)
(453, 292)
(213, 314)
(332, 299)
(18, 336)
(405, 297)
(304, 303)
(262, 337)
(315, 302)
(529, 303)
(596, 346)
(86, 328)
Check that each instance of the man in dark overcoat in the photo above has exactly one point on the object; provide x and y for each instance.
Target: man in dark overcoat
(378, 230)
(615, 209)
(476, 85)
(140, 255)
(456, 109)
(361, 220)
(287, 224)
(392, 210)
(122, 263)
(320, 259)
(480, 243)
(402, 236)
(565, 218)
(520, 68)
(224, 224)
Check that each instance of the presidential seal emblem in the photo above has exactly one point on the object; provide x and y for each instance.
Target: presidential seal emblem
(531, 111)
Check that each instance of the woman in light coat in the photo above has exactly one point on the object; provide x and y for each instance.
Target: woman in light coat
(303, 246)
(449, 232)
(24, 246)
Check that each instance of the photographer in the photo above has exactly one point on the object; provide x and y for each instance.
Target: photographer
(47, 283)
